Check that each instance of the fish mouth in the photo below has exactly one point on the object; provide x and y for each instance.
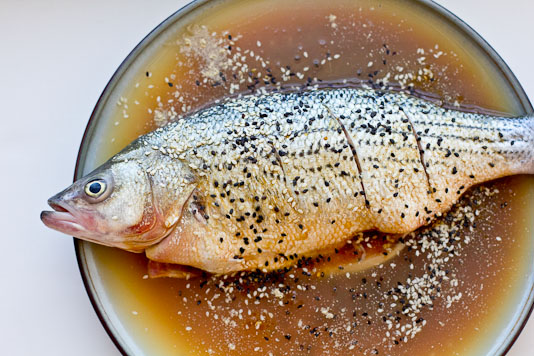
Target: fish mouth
(61, 219)
(64, 219)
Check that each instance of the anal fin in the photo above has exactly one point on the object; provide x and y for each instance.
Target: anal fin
(171, 270)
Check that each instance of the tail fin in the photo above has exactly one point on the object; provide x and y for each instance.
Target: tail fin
(520, 145)
(530, 149)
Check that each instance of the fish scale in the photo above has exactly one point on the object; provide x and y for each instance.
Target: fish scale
(271, 177)
(451, 140)
(393, 175)
(320, 174)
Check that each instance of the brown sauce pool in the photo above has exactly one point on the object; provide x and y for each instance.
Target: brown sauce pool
(452, 290)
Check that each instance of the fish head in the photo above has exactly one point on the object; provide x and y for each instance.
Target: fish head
(113, 206)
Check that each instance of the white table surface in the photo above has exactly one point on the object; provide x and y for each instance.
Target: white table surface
(56, 56)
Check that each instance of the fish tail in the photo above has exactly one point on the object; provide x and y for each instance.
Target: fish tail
(519, 145)
(530, 147)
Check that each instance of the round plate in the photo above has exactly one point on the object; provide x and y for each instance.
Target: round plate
(88, 157)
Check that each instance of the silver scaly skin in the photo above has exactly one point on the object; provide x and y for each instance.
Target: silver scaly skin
(259, 181)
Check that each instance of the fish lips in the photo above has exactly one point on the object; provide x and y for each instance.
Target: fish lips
(62, 218)
(71, 221)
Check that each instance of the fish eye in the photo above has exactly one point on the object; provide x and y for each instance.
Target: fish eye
(95, 188)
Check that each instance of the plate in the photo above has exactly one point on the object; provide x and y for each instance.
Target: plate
(96, 146)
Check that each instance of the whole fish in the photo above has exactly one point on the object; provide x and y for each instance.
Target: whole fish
(260, 181)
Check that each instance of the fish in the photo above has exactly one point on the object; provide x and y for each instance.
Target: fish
(260, 181)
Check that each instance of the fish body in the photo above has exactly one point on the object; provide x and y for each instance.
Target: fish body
(259, 181)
